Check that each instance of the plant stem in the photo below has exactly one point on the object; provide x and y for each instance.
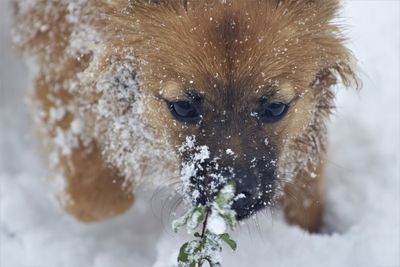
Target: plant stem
(203, 231)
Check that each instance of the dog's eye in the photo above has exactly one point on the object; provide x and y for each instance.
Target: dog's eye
(184, 111)
(272, 112)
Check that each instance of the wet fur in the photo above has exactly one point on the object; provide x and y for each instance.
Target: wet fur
(234, 51)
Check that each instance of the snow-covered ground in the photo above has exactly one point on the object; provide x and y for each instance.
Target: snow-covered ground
(362, 221)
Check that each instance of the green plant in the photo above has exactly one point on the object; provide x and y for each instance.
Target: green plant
(215, 219)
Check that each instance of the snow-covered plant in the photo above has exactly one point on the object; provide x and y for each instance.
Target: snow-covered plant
(214, 220)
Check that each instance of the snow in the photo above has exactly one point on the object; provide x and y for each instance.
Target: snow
(230, 152)
(216, 224)
(196, 155)
(362, 220)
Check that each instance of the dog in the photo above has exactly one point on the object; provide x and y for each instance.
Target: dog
(141, 92)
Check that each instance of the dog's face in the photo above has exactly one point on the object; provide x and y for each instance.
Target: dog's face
(245, 79)
(244, 129)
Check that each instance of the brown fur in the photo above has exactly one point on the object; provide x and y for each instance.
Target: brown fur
(232, 53)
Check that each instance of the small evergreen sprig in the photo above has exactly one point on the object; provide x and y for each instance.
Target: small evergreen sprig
(215, 219)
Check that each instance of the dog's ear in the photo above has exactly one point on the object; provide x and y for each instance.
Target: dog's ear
(336, 62)
(322, 8)
(341, 72)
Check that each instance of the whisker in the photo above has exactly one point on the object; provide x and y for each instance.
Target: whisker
(257, 225)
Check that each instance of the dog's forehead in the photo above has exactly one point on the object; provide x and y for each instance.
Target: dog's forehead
(230, 62)
(244, 49)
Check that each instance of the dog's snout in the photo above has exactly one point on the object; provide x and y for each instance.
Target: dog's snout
(246, 194)
(246, 185)
(253, 181)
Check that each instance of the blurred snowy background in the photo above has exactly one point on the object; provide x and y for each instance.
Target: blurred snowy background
(362, 221)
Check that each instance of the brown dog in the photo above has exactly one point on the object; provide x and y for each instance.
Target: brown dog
(122, 86)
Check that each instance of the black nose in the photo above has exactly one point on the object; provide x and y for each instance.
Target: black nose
(247, 195)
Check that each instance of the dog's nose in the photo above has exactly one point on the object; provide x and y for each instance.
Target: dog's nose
(246, 195)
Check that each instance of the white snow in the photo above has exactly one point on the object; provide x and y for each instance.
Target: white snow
(216, 224)
(362, 220)
(230, 152)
